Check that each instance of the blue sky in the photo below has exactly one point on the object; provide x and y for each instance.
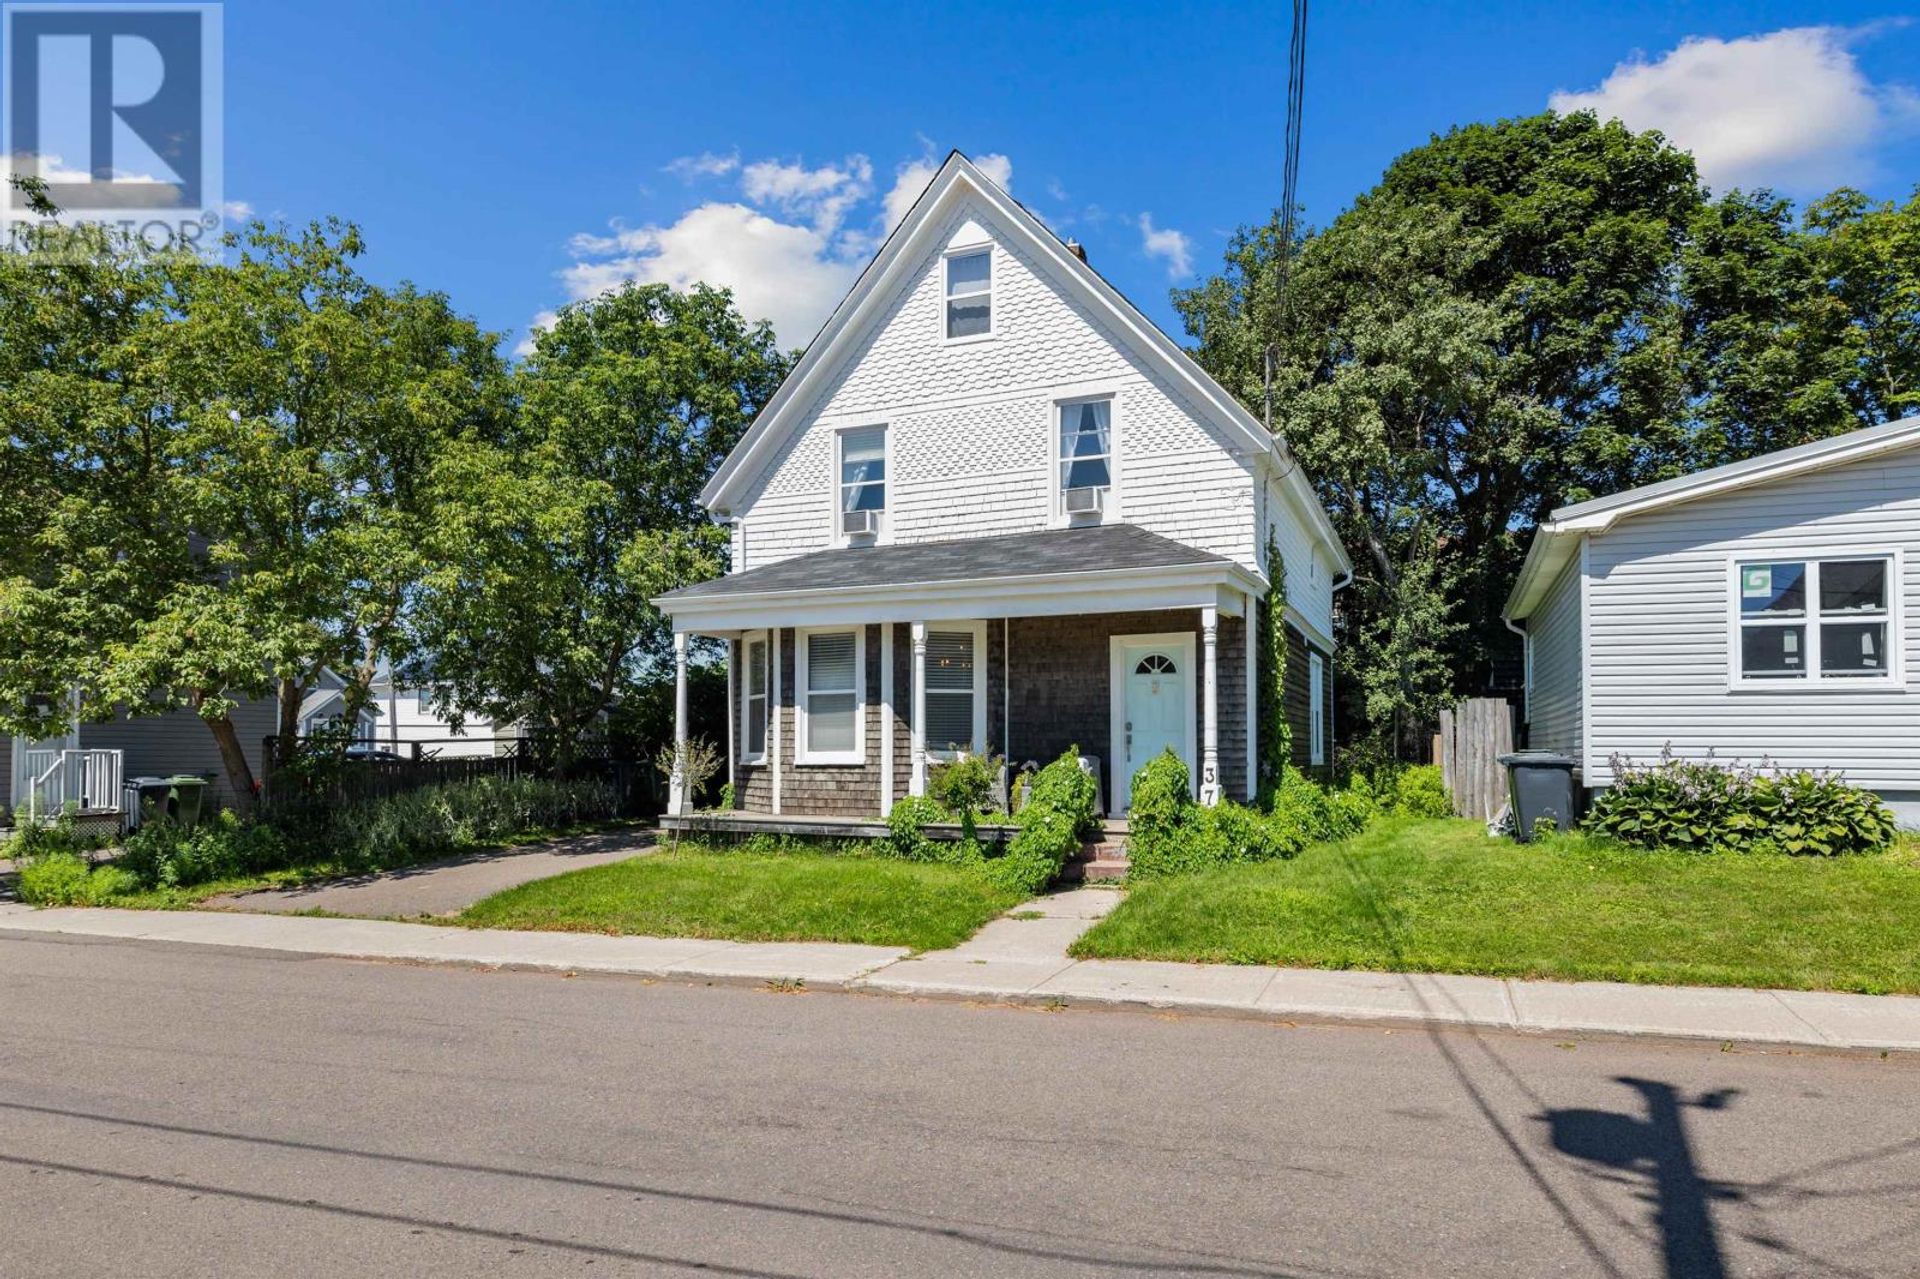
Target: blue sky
(518, 155)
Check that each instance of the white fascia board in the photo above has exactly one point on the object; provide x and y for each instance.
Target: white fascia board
(1051, 595)
(1553, 547)
(843, 328)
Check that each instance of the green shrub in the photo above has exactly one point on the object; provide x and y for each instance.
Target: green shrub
(163, 855)
(62, 835)
(1419, 791)
(1169, 834)
(1321, 814)
(907, 838)
(435, 820)
(965, 786)
(62, 878)
(1706, 806)
(1057, 816)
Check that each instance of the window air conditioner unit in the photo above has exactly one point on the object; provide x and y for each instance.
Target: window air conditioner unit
(860, 523)
(1090, 500)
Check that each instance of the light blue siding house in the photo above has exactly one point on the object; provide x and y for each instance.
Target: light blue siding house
(1760, 609)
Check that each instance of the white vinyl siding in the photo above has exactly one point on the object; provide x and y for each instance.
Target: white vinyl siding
(1659, 615)
(1554, 645)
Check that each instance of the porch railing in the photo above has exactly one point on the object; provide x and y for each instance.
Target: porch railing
(87, 780)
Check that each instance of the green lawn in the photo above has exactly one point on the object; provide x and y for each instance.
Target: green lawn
(756, 897)
(1439, 896)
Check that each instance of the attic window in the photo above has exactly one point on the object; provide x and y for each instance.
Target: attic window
(970, 294)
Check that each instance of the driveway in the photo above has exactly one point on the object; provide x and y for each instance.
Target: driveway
(443, 887)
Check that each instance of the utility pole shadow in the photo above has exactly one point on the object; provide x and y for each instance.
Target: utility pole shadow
(1655, 1147)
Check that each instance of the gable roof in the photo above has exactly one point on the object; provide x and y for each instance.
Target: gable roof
(959, 178)
(1555, 541)
(1097, 548)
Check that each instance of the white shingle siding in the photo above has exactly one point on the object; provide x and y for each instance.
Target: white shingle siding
(971, 426)
(1658, 616)
(1554, 646)
(1309, 575)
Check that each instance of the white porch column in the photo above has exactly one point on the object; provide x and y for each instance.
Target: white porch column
(1210, 706)
(773, 711)
(886, 718)
(678, 801)
(917, 739)
(735, 650)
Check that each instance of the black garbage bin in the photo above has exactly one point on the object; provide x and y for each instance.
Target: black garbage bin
(1541, 784)
(147, 799)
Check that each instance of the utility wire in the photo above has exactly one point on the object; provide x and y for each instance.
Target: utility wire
(1289, 191)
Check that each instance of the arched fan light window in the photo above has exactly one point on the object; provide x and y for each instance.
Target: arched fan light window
(1156, 664)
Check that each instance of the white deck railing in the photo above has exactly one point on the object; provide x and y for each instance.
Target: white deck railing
(87, 780)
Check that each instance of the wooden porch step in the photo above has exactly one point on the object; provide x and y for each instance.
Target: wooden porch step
(1097, 860)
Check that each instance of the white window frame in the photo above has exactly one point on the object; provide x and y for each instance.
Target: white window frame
(1056, 494)
(837, 531)
(1890, 679)
(748, 697)
(803, 696)
(979, 632)
(993, 280)
(1316, 709)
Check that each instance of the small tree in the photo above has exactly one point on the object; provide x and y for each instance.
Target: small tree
(696, 760)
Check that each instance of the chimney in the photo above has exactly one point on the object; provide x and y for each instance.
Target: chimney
(1078, 249)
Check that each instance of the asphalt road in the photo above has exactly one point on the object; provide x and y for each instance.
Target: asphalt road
(185, 1111)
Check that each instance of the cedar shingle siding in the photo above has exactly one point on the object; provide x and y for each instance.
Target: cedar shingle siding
(1059, 668)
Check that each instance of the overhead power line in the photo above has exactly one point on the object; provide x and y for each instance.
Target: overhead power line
(1289, 190)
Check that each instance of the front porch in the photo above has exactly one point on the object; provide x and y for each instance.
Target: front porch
(854, 673)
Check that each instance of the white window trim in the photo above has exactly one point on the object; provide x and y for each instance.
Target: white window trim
(835, 532)
(979, 633)
(992, 294)
(802, 697)
(1316, 709)
(1892, 679)
(747, 639)
(1056, 509)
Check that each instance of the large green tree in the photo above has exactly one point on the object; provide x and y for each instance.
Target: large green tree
(235, 471)
(1531, 312)
(627, 403)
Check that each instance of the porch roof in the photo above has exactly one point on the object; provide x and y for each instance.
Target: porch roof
(1108, 567)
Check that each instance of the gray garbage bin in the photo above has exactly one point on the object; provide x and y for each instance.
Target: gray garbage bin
(1541, 784)
(189, 793)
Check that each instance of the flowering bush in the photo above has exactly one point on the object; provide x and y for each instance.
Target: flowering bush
(1709, 806)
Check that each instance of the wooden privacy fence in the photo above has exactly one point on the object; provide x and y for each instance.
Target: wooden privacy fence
(1473, 737)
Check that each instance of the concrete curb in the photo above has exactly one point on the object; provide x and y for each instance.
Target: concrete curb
(1016, 963)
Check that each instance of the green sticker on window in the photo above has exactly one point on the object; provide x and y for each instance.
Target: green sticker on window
(1756, 581)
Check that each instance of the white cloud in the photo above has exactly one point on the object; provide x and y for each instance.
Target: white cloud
(789, 248)
(707, 164)
(788, 274)
(1789, 109)
(1166, 243)
(912, 177)
(823, 195)
(236, 211)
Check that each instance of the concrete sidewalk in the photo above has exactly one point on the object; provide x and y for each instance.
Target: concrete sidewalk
(1020, 959)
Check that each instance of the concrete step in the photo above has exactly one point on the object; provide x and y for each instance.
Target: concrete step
(1097, 860)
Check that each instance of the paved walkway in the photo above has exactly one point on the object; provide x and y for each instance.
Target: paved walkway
(1022, 959)
(444, 887)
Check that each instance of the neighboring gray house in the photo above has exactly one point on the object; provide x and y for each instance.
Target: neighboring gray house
(1760, 609)
(994, 508)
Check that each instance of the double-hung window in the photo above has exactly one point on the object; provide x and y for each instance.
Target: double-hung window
(1085, 452)
(863, 480)
(830, 663)
(753, 698)
(423, 700)
(969, 297)
(1316, 709)
(1815, 621)
(956, 691)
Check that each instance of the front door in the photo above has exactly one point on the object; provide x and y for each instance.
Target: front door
(1154, 674)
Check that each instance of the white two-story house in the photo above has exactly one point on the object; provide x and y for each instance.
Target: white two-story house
(994, 509)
